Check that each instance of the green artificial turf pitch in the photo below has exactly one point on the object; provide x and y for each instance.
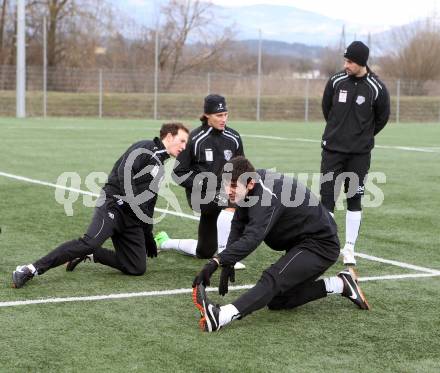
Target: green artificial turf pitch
(160, 332)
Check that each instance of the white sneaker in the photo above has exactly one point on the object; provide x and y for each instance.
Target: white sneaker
(348, 256)
(239, 265)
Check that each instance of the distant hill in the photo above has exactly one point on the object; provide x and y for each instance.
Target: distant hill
(286, 24)
(279, 48)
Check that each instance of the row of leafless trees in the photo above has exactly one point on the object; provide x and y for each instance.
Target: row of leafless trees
(91, 33)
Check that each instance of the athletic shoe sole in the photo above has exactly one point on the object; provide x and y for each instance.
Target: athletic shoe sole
(359, 290)
(204, 323)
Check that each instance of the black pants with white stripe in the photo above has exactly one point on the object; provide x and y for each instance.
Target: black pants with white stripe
(355, 166)
(288, 283)
(108, 221)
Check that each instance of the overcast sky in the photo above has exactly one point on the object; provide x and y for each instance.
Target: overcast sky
(371, 12)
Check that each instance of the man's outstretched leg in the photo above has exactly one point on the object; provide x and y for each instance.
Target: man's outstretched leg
(293, 268)
(101, 228)
(344, 284)
(189, 246)
(62, 254)
(214, 317)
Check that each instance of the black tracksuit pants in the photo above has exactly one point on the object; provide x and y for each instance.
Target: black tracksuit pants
(338, 163)
(288, 283)
(109, 221)
(207, 244)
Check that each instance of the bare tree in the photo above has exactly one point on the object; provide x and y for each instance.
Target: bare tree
(75, 28)
(58, 9)
(332, 57)
(56, 12)
(414, 56)
(331, 61)
(6, 30)
(3, 22)
(189, 21)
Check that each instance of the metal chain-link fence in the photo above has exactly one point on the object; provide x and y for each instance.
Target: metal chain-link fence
(132, 94)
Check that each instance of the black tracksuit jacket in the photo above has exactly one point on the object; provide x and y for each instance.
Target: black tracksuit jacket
(150, 163)
(281, 227)
(208, 150)
(356, 109)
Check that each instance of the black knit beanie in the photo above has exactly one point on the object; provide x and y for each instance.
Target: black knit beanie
(214, 104)
(357, 52)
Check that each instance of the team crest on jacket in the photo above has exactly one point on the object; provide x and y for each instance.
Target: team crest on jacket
(360, 100)
(228, 154)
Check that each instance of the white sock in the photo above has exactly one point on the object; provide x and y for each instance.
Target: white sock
(186, 246)
(332, 214)
(334, 285)
(227, 314)
(352, 225)
(223, 228)
(33, 269)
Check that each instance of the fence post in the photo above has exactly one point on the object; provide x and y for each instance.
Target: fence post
(156, 70)
(306, 109)
(259, 76)
(100, 93)
(44, 68)
(398, 102)
(209, 83)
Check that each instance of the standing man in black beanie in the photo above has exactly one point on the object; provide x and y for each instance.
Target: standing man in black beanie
(356, 107)
(198, 169)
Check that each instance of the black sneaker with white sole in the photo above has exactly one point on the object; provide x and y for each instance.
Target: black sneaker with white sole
(20, 276)
(209, 320)
(70, 266)
(352, 290)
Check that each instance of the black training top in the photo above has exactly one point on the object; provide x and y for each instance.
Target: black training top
(286, 214)
(208, 150)
(139, 170)
(356, 109)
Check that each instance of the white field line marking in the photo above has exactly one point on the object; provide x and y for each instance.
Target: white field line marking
(428, 149)
(408, 148)
(404, 148)
(33, 181)
(398, 264)
(397, 277)
(175, 292)
(365, 256)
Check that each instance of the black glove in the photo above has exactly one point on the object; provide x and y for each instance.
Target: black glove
(205, 274)
(152, 250)
(150, 244)
(228, 273)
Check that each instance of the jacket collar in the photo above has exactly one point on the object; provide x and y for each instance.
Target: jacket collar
(214, 131)
(160, 146)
